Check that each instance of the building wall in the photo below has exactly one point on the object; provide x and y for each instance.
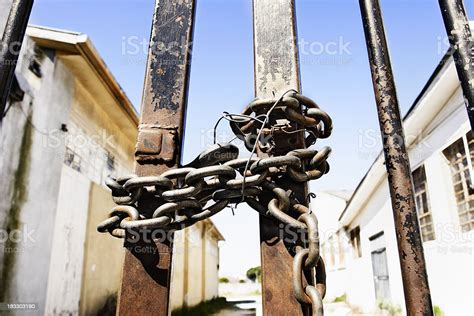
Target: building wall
(91, 269)
(5, 6)
(33, 197)
(103, 259)
(211, 275)
(194, 276)
(449, 257)
(327, 206)
(54, 154)
(65, 278)
(46, 200)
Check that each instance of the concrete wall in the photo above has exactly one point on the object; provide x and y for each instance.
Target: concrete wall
(86, 266)
(194, 277)
(65, 277)
(5, 6)
(64, 265)
(211, 268)
(103, 259)
(449, 257)
(49, 202)
(36, 180)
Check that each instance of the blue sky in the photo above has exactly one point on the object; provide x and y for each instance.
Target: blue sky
(222, 75)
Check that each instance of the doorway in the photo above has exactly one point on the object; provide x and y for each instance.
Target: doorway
(380, 267)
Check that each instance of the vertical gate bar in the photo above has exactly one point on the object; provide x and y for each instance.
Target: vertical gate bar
(276, 71)
(459, 34)
(410, 246)
(10, 46)
(146, 276)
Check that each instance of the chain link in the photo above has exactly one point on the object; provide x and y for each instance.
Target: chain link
(218, 178)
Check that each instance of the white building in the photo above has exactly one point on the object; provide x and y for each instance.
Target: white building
(67, 127)
(360, 249)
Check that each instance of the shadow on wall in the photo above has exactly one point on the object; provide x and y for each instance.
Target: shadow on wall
(108, 307)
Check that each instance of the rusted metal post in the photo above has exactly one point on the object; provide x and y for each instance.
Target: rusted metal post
(277, 71)
(462, 46)
(147, 267)
(10, 46)
(410, 246)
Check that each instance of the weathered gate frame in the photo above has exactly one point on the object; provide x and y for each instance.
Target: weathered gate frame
(145, 284)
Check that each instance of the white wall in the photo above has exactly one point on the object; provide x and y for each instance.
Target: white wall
(51, 100)
(5, 6)
(449, 257)
(194, 276)
(211, 271)
(67, 256)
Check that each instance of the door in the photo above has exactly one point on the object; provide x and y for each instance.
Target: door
(380, 270)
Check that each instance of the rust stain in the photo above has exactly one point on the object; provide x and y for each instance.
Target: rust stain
(170, 55)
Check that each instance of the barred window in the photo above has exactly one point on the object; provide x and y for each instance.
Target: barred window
(110, 162)
(72, 160)
(423, 205)
(460, 156)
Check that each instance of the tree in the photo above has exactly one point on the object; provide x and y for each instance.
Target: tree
(254, 274)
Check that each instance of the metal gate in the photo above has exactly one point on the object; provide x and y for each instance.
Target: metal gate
(145, 283)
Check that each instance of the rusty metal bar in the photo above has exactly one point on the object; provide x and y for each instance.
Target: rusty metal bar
(276, 71)
(410, 246)
(10, 46)
(147, 268)
(462, 46)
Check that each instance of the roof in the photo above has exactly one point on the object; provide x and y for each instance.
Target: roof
(424, 108)
(214, 230)
(342, 194)
(74, 43)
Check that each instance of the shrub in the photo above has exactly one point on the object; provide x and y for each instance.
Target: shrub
(254, 274)
(224, 280)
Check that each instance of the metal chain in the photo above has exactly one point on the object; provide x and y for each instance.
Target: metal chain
(218, 178)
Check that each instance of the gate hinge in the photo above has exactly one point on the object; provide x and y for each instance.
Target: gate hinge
(156, 144)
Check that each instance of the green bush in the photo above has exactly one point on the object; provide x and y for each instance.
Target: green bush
(224, 280)
(203, 309)
(438, 311)
(393, 310)
(341, 298)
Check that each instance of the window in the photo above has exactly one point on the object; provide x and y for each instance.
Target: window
(423, 205)
(72, 160)
(460, 156)
(355, 242)
(110, 162)
(342, 256)
(332, 257)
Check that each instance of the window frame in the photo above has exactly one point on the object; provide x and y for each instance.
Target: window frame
(354, 235)
(426, 214)
(467, 184)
